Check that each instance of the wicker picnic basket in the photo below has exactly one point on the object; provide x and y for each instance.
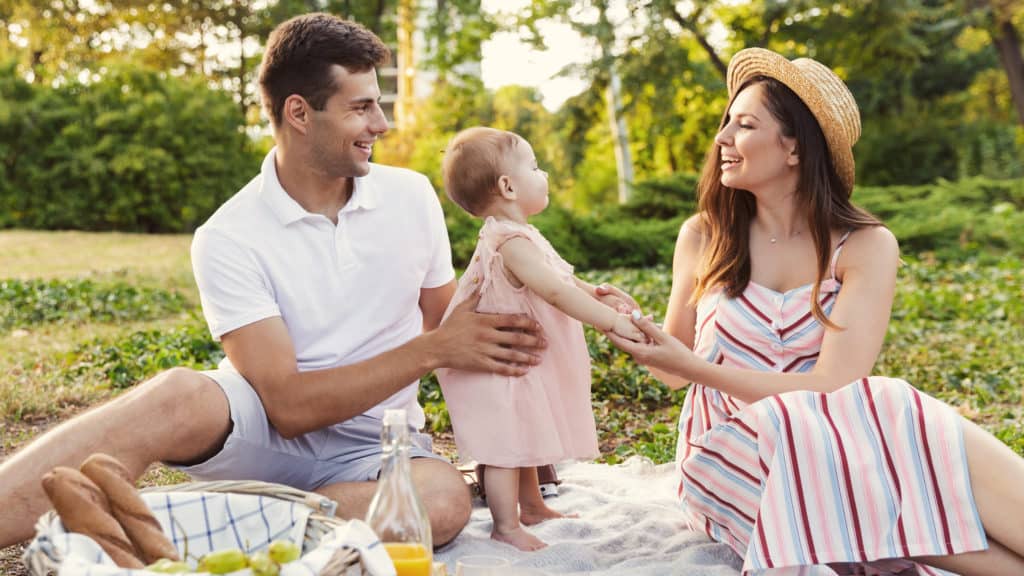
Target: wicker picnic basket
(321, 522)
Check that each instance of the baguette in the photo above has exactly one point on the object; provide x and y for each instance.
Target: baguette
(129, 509)
(83, 508)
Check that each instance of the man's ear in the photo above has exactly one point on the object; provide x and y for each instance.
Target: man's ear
(296, 113)
(505, 187)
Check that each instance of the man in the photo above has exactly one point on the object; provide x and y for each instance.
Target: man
(325, 278)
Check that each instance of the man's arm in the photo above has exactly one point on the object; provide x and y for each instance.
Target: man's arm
(433, 303)
(300, 402)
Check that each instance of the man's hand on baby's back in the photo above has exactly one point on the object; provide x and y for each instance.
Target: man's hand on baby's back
(506, 344)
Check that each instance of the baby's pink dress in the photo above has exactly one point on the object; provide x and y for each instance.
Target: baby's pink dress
(545, 416)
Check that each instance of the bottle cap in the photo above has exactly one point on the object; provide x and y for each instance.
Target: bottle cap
(395, 417)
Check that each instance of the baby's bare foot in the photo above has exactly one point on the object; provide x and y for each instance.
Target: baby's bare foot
(530, 515)
(520, 539)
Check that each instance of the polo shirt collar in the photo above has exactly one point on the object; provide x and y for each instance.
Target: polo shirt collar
(364, 194)
(288, 211)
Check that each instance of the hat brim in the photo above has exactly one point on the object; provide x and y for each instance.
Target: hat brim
(752, 62)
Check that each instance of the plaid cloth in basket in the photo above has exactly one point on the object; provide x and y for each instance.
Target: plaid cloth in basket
(201, 522)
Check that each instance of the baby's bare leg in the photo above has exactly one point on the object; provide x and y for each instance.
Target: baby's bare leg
(502, 488)
(532, 509)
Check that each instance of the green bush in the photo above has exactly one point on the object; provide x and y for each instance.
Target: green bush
(24, 303)
(663, 198)
(136, 150)
(124, 363)
(955, 220)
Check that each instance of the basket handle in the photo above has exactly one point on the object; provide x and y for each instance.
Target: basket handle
(317, 502)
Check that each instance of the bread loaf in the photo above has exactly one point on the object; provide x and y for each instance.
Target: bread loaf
(129, 509)
(83, 508)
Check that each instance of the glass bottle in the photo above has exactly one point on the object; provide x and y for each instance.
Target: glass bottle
(396, 512)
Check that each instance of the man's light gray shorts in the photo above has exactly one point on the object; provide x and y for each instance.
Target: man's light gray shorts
(346, 452)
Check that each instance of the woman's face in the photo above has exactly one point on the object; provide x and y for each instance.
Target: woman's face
(754, 154)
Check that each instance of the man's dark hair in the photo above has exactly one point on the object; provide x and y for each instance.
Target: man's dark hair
(301, 51)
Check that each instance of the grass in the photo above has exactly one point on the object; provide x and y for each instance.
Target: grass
(112, 309)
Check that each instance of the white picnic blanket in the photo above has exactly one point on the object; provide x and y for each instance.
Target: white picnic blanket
(630, 523)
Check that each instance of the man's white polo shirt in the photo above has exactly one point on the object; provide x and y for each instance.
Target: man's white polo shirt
(346, 292)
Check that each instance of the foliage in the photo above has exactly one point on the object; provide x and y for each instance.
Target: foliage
(141, 355)
(957, 333)
(135, 150)
(976, 217)
(952, 219)
(25, 303)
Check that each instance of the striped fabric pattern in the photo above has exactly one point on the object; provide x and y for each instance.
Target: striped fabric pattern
(858, 479)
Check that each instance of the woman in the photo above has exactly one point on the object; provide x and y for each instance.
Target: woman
(780, 301)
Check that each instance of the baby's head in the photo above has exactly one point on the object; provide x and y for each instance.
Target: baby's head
(475, 162)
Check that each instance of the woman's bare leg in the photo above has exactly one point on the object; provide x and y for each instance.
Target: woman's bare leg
(997, 474)
(996, 561)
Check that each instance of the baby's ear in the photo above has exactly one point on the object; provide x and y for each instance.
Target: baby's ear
(505, 187)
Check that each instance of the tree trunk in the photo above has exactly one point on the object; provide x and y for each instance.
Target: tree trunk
(620, 137)
(1007, 41)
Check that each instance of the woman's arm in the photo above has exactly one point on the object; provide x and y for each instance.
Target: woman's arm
(862, 310)
(681, 316)
(527, 264)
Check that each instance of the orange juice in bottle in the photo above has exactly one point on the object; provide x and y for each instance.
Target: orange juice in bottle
(396, 513)
(409, 559)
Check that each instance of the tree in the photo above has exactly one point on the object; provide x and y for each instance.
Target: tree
(591, 20)
(1006, 16)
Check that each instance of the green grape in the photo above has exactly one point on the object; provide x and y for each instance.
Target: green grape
(223, 561)
(261, 564)
(283, 552)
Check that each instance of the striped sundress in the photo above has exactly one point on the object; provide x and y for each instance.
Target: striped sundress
(858, 479)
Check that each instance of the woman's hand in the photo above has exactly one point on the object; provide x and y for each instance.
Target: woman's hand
(661, 351)
(615, 299)
(625, 328)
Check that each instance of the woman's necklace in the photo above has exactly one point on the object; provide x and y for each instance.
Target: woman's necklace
(775, 240)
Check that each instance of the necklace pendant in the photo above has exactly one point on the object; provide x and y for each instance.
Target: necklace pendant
(773, 240)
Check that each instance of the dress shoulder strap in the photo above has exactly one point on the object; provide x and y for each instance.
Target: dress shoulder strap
(835, 254)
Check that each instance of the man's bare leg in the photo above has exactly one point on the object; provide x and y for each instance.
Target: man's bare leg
(179, 415)
(439, 485)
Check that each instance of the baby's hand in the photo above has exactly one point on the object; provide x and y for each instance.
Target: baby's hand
(615, 299)
(624, 327)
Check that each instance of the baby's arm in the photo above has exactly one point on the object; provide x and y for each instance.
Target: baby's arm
(610, 296)
(527, 264)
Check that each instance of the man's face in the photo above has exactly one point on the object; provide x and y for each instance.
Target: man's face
(343, 132)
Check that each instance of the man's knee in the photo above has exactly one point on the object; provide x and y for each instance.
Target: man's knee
(447, 499)
(196, 409)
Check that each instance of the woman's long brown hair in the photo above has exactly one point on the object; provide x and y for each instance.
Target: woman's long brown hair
(726, 213)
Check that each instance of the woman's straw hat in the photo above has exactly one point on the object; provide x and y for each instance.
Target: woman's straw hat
(821, 90)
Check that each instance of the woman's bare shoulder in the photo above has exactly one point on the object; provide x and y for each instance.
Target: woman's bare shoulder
(877, 239)
(696, 224)
(872, 248)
